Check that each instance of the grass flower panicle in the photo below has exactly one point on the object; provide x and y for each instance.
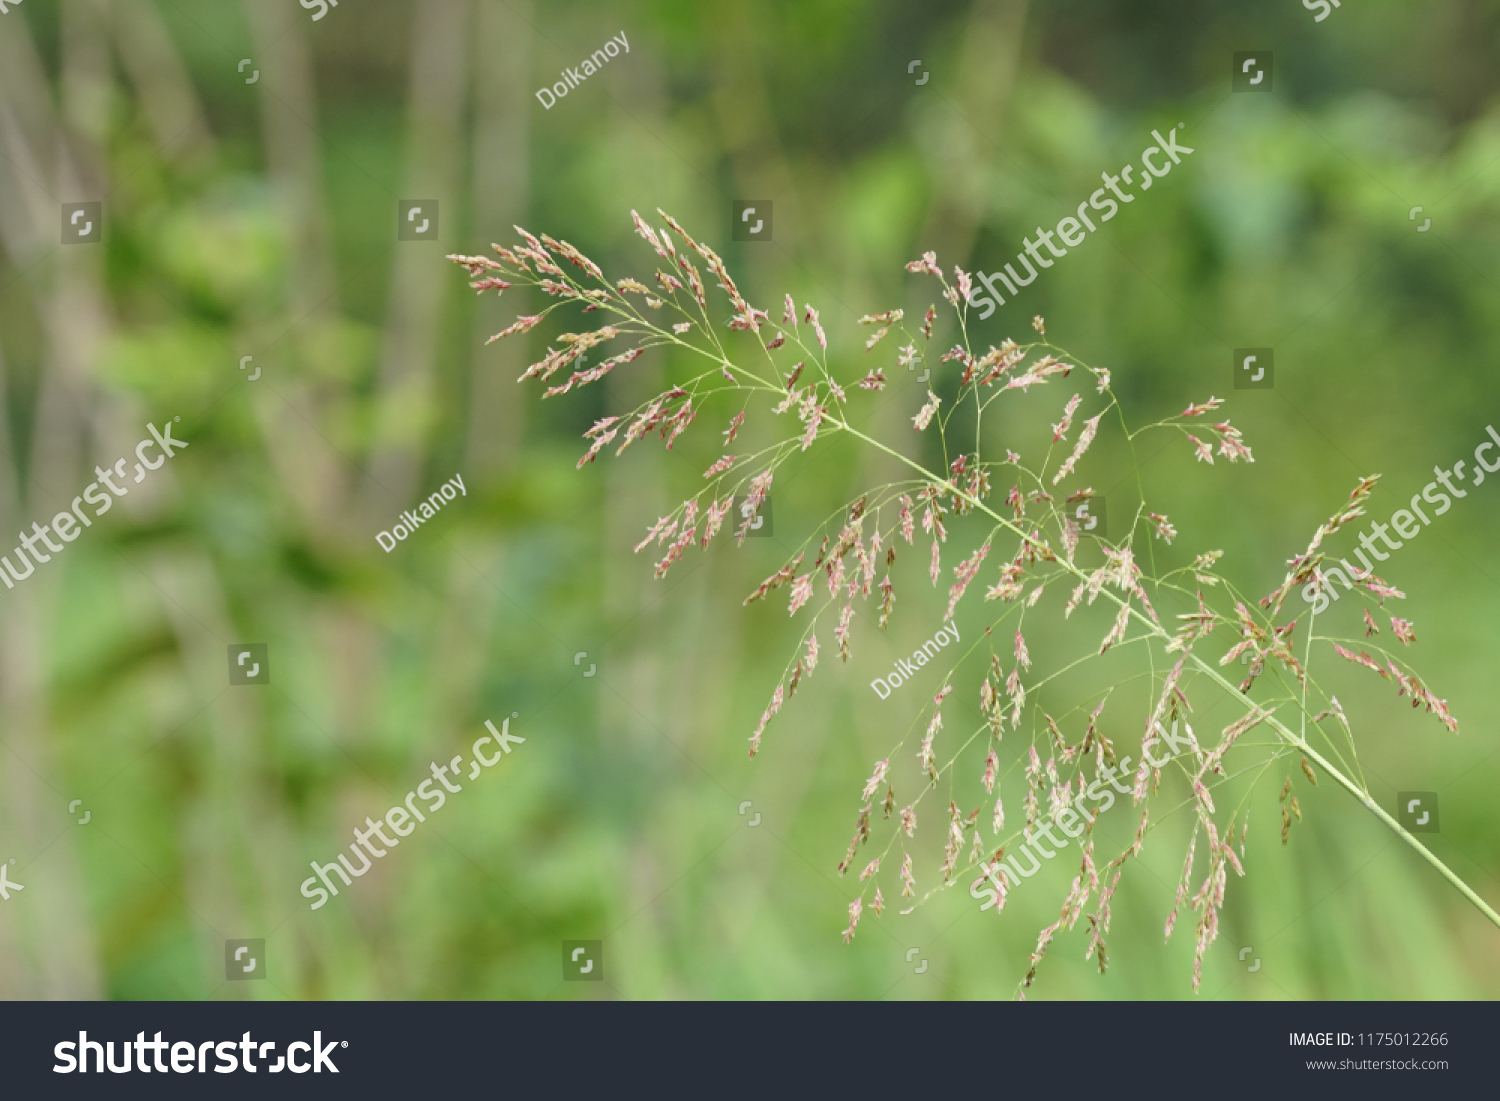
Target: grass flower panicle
(1029, 543)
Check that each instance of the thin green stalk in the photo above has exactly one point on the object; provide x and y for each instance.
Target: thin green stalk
(1287, 735)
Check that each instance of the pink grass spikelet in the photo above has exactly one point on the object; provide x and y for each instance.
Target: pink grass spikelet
(927, 264)
(812, 315)
(717, 510)
(1060, 429)
(925, 414)
(1086, 437)
(734, 428)
(1361, 658)
(475, 265)
(780, 577)
(1231, 444)
(1117, 632)
(887, 600)
(965, 572)
(854, 910)
(765, 717)
(674, 552)
(760, 485)
(661, 531)
(649, 235)
(595, 447)
(521, 325)
(719, 467)
(841, 632)
(801, 593)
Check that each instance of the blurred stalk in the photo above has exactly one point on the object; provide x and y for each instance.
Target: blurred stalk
(405, 386)
(503, 41)
(312, 478)
(163, 86)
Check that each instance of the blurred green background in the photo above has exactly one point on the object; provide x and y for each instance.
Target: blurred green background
(259, 219)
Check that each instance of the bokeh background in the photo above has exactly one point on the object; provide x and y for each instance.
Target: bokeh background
(259, 219)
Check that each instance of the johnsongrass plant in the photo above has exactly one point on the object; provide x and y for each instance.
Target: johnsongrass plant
(1031, 560)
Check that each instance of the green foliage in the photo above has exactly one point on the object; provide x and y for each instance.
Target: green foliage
(267, 227)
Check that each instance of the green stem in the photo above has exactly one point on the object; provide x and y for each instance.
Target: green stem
(1287, 735)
